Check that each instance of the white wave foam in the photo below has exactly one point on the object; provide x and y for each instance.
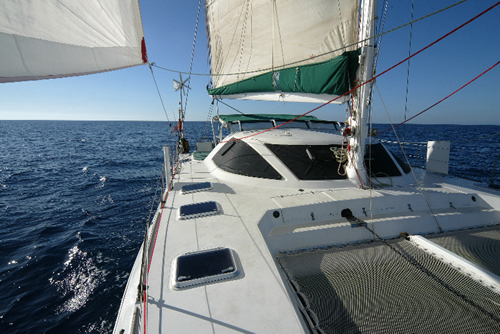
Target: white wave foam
(78, 280)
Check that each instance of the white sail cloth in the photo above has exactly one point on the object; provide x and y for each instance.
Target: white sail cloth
(42, 39)
(258, 36)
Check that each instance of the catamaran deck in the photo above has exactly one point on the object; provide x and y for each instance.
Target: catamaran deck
(390, 287)
(369, 288)
(228, 306)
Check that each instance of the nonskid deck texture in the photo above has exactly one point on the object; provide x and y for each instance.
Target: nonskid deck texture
(391, 287)
(228, 306)
(367, 288)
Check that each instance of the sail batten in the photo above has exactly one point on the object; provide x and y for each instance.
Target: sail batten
(53, 39)
(266, 43)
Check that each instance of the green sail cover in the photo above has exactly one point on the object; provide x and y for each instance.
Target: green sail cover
(333, 77)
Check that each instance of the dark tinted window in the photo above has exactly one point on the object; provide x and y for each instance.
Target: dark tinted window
(239, 158)
(404, 166)
(379, 162)
(294, 124)
(309, 162)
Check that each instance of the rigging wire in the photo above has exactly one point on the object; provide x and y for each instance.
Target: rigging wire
(408, 72)
(159, 95)
(378, 41)
(227, 105)
(419, 187)
(382, 73)
(320, 55)
(435, 104)
(209, 116)
(192, 56)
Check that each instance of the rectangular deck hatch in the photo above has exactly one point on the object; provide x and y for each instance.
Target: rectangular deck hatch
(196, 210)
(203, 267)
(195, 187)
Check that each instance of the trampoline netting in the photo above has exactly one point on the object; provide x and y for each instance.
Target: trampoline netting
(377, 288)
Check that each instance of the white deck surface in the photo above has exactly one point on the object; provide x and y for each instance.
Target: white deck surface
(258, 300)
(254, 302)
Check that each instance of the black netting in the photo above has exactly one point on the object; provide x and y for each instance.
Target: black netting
(480, 246)
(371, 288)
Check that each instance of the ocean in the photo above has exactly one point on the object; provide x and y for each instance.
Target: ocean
(74, 201)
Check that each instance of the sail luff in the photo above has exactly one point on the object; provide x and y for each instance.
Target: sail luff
(53, 39)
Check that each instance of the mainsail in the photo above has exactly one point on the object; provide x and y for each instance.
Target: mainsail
(292, 50)
(45, 39)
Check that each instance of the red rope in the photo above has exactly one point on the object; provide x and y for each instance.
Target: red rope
(145, 302)
(375, 77)
(154, 244)
(324, 104)
(159, 219)
(435, 104)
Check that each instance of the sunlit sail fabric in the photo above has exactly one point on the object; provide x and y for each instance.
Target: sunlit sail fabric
(294, 50)
(43, 39)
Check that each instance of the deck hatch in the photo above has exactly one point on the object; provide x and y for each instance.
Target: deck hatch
(196, 210)
(204, 267)
(195, 187)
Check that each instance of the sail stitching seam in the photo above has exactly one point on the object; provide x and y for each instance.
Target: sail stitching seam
(376, 76)
(326, 53)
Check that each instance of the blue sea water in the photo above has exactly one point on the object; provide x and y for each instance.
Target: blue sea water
(75, 198)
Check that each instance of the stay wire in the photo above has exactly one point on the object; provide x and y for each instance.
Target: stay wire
(380, 28)
(443, 99)
(192, 55)
(378, 75)
(159, 94)
(419, 187)
(227, 105)
(408, 72)
(320, 55)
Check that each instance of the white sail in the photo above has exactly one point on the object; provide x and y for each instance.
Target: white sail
(43, 39)
(249, 38)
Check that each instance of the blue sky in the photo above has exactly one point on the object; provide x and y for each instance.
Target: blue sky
(130, 94)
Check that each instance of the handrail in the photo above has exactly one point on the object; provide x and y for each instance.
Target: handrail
(417, 145)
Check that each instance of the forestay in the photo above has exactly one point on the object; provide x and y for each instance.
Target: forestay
(61, 38)
(294, 50)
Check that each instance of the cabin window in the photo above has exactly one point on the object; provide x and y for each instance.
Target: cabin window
(294, 124)
(238, 157)
(310, 162)
(379, 162)
(323, 125)
(256, 125)
(404, 166)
